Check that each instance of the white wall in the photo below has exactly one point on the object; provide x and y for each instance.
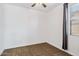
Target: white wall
(23, 26)
(1, 28)
(55, 26)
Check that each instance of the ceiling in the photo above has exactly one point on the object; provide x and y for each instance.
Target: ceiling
(38, 6)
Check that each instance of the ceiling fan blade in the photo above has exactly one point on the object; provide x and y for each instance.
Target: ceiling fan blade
(44, 5)
(33, 4)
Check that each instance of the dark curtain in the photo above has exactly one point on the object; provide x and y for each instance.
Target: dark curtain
(65, 16)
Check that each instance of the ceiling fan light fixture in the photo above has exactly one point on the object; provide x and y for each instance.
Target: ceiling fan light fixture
(44, 5)
(33, 4)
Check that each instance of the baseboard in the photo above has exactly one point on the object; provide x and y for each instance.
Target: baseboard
(24, 44)
(62, 49)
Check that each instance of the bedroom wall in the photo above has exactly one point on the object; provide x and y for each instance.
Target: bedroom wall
(1, 28)
(55, 21)
(23, 26)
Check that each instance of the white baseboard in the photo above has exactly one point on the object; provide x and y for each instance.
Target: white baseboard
(23, 44)
(62, 49)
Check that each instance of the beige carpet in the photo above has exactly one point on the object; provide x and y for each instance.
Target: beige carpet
(43, 49)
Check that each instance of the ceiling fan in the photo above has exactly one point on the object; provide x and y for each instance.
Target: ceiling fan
(34, 4)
